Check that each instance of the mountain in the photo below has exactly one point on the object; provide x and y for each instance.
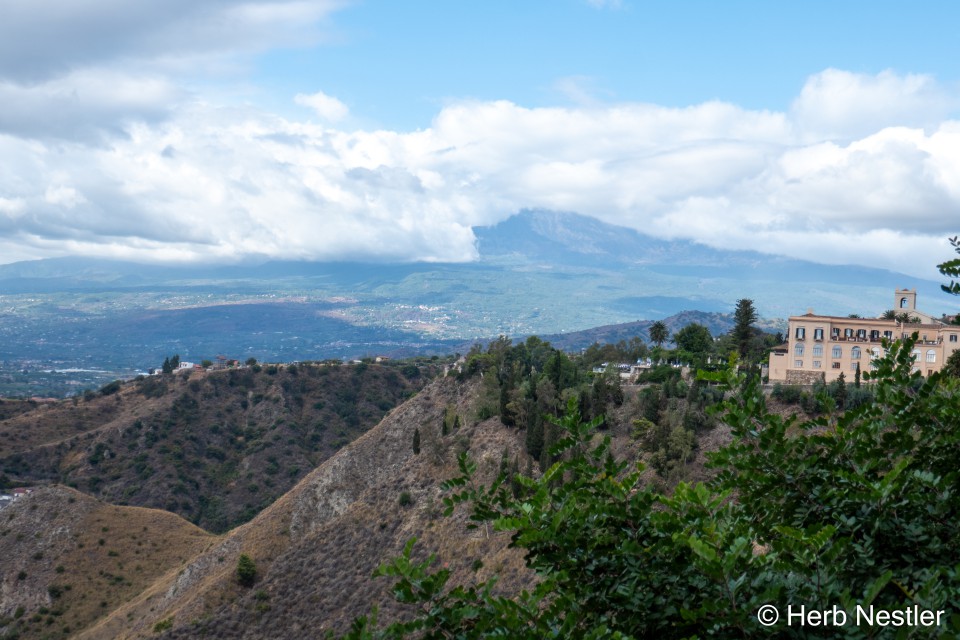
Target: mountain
(539, 272)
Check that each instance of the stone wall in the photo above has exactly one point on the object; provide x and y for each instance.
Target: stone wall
(804, 377)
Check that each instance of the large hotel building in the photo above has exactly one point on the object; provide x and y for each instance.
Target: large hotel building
(821, 347)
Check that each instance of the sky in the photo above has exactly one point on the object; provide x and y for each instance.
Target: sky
(230, 130)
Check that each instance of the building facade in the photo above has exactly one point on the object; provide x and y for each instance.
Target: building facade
(823, 347)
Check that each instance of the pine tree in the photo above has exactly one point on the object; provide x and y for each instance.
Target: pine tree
(416, 441)
(744, 317)
(841, 391)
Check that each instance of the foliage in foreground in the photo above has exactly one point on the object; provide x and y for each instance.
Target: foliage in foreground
(862, 509)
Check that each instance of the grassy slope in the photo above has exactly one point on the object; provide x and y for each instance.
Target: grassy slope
(317, 546)
(68, 559)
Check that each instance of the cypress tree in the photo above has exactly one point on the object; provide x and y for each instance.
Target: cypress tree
(416, 441)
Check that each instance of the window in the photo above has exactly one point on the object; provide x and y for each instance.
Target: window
(816, 364)
(848, 333)
(798, 364)
(835, 333)
(855, 353)
(854, 366)
(818, 334)
(875, 352)
(903, 303)
(931, 355)
(888, 335)
(836, 352)
(798, 350)
(874, 335)
(801, 333)
(953, 337)
(861, 334)
(818, 350)
(916, 354)
(836, 365)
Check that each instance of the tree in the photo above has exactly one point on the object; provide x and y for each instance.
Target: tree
(695, 339)
(952, 365)
(246, 570)
(951, 269)
(658, 333)
(416, 441)
(614, 558)
(840, 393)
(744, 316)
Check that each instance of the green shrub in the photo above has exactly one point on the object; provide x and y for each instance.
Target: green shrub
(246, 570)
(405, 499)
(163, 625)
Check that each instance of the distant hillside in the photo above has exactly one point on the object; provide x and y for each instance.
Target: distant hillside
(215, 447)
(717, 323)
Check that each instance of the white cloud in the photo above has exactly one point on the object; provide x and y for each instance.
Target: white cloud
(86, 104)
(214, 183)
(327, 107)
(837, 104)
(37, 45)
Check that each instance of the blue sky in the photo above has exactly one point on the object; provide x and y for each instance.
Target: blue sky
(397, 63)
(227, 130)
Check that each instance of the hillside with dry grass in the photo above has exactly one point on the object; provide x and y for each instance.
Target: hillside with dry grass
(214, 447)
(314, 549)
(68, 560)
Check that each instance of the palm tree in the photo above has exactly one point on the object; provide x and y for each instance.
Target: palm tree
(658, 333)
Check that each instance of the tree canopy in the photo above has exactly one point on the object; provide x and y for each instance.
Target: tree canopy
(857, 508)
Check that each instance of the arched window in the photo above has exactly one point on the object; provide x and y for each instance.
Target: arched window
(818, 350)
(855, 353)
(931, 355)
(903, 303)
(916, 354)
(798, 350)
(836, 351)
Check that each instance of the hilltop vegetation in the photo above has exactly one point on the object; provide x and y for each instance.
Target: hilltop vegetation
(856, 509)
(214, 447)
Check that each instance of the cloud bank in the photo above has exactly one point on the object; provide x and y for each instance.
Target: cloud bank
(112, 154)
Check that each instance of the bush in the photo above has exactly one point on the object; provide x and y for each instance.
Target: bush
(246, 570)
(405, 499)
(163, 625)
